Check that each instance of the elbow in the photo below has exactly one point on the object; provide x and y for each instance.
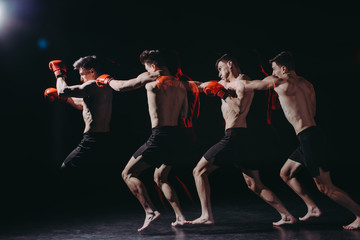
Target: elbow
(115, 86)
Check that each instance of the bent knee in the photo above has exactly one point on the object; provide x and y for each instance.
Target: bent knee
(63, 166)
(199, 171)
(253, 185)
(159, 180)
(125, 175)
(327, 190)
(285, 175)
(195, 172)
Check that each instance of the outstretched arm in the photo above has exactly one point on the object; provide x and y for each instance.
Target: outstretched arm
(268, 82)
(202, 85)
(51, 94)
(77, 91)
(139, 81)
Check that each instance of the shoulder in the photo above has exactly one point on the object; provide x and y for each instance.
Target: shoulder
(243, 77)
(306, 82)
(151, 85)
(89, 84)
(222, 82)
(92, 88)
(275, 81)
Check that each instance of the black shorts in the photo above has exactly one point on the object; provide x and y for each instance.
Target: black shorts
(162, 147)
(312, 150)
(234, 149)
(89, 151)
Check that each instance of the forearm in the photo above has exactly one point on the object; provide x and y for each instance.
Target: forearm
(259, 84)
(61, 87)
(135, 83)
(201, 85)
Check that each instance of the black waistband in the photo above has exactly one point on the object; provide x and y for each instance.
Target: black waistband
(308, 130)
(96, 134)
(230, 131)
(165, 129)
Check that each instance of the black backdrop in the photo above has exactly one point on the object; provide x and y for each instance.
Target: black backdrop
(38, 135)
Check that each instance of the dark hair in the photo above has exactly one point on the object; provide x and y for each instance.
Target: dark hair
(284, 58)
(88, 62)
(226, 58)
(161, 58)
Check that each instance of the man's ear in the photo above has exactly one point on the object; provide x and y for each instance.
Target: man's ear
(93, 72)
(154, 67)
(284, 69)
(229, 64)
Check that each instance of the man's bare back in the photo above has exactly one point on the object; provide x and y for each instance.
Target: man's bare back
(96, 104)
(297, 99)
(166, 99)
(97, 110)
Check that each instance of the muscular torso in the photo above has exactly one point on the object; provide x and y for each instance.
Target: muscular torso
(167, 102)
(97, 109)
(235, 109)
(297, 99)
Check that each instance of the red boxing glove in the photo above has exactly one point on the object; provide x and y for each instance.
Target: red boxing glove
(103, 80)
(51, 95)
(58, 67)
(216, 89)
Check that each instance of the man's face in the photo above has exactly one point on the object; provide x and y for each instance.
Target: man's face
(87, 74)
(277, 70)
(224, 70)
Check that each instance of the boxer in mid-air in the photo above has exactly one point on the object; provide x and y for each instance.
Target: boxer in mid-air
(233, 148)
(167, 101)
(298, 101)
(95, 103)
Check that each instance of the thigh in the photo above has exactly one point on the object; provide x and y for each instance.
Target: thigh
(135, 166)
(79, 157)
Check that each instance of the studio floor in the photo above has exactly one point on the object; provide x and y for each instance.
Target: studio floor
(244, 218)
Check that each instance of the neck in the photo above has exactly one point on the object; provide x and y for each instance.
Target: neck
(235, 72)
(165, 72)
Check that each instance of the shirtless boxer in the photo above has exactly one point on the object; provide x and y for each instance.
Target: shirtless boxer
(167, 100)
(297, 99)
(95, 103)
(233, 147)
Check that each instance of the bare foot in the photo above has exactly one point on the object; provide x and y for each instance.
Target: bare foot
(180, 221)
(149, 218)
(201, 221)
(289, 219)
(313, 212)
(355, 225)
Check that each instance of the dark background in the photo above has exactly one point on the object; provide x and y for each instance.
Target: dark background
(37, 135)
